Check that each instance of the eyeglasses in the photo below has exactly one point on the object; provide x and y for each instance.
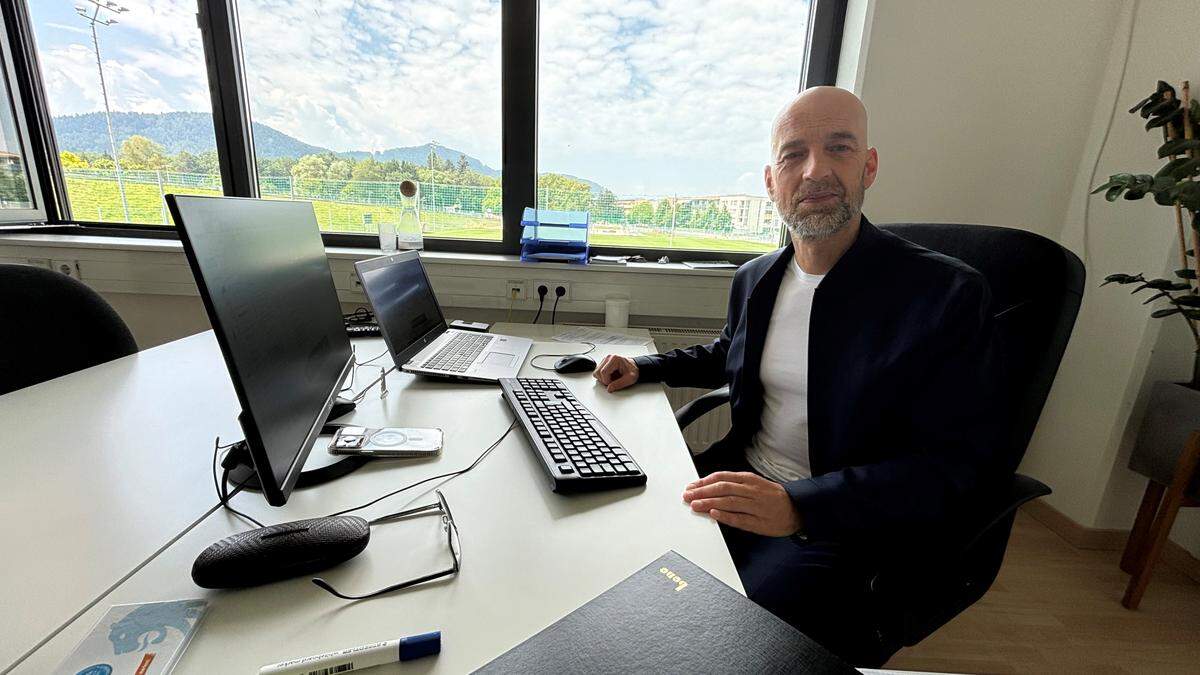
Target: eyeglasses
(452, 540)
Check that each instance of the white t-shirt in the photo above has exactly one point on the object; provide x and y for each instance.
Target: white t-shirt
(779, 450)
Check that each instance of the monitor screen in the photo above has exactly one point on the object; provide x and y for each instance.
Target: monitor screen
(262, 272)
(405, 307)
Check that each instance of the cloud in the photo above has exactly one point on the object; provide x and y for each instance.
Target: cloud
(643, 96)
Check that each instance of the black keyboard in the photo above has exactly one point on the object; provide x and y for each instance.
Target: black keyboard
(578, 452)
(457, 355)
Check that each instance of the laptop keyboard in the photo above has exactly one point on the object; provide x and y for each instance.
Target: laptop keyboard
(457, 355)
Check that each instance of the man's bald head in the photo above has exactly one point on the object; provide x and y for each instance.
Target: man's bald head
(821, 164)
(821, 107)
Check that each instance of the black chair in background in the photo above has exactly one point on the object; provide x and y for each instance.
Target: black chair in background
(52, 325)
(1037, 287)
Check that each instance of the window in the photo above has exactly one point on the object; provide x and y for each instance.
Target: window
(349, 99)
(127, 90)
(18, 199)
(655, 117)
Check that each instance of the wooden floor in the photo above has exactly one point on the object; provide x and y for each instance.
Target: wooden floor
(1057, 609)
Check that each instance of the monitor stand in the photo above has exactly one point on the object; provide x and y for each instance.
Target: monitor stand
(242, 473)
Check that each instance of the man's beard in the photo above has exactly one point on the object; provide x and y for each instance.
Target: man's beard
(825, 223)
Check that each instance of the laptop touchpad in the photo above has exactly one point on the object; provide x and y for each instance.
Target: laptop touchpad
(499, 359)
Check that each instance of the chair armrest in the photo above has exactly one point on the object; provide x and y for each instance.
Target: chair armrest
(698, 407)
(1023, 489)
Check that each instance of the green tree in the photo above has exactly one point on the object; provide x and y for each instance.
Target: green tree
(463, 165)
(139, 152)
(367, 169)
(70, 160)
(339, 169)
(493, 201)
(185, 162)
(563, 193)
(662, 213)
(641, 213)
(312, 166)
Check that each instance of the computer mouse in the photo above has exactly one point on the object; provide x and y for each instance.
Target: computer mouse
(574, 364)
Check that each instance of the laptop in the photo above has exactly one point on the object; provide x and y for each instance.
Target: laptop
(415, 330)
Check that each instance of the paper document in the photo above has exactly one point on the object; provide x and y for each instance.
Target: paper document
(599, 337)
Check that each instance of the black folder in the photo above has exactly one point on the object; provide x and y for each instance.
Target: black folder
(669, 617)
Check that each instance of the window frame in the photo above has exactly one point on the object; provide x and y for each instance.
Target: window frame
(16, 87)
(225, 69)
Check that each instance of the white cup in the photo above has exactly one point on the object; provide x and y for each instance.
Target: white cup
(616, 313)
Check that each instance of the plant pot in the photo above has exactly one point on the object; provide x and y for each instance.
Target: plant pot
(1172, 414)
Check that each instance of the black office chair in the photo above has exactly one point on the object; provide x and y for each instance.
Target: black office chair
(1037, 287)
(52, 325)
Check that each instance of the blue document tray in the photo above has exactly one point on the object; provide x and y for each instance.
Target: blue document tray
(554, 236)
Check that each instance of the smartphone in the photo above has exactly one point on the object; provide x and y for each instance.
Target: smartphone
(387, 442)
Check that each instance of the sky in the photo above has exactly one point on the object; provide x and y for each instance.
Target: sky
(646, 97)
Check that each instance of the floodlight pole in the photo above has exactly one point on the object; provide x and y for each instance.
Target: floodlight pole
(112, 142)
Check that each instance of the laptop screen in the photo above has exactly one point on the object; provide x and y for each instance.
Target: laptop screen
(407, 311)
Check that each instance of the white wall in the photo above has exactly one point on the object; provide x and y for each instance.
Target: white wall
(994, 113)
(976, 106)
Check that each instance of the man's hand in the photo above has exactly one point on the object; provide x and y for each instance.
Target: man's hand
(746, 501)
(616, 372)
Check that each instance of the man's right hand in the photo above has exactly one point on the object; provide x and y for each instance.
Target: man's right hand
(616, 372)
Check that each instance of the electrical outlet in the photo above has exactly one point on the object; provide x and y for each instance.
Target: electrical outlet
(518, 286)
(355, 282)
(67, 267)
(550, 286)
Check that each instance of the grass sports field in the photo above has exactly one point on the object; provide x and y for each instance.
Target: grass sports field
(100, 200)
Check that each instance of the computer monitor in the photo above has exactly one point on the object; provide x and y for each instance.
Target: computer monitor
(261, 269)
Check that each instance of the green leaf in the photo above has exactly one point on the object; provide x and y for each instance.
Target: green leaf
(1164, 198)
(1121, 279)
(1178, 147)
(1156, 122)
(1114, 192)
(1169, 168)
(1156, 284)
(1163, 107)
(1180, 286)
(1160, 294)
(1187, 169)
(1186, 274)
(1160, 313)
(1193, 314)
(1187, 300)
(1140, 104)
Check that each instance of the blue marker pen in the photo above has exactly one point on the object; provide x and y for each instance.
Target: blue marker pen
(358, 658)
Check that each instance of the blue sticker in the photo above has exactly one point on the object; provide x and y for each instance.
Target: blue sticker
(98, 669)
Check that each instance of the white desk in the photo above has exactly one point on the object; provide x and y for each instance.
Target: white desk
(529, 555)
(102, 469)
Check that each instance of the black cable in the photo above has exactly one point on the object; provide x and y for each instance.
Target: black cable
(542, 292)
(222, 487)
(358, 317)
(450, 474)
(559, 291)
(541, 301)
(591, 348)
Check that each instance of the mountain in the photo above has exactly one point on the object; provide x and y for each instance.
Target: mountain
(419, 154)
(193, 132)
(175, 131)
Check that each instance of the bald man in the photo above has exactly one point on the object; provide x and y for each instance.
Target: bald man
(852, 358)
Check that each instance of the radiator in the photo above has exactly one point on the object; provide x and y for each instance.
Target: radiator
(713, 426)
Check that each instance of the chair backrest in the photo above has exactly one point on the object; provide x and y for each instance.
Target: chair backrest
(1037, 287)
(52, 325)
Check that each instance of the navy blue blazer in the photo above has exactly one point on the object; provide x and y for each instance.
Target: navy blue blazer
(899, 436)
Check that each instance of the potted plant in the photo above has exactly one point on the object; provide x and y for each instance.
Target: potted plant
(1172, 186)
(1173, 413)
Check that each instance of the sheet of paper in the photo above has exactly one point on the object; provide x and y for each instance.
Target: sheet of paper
(598, 337)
